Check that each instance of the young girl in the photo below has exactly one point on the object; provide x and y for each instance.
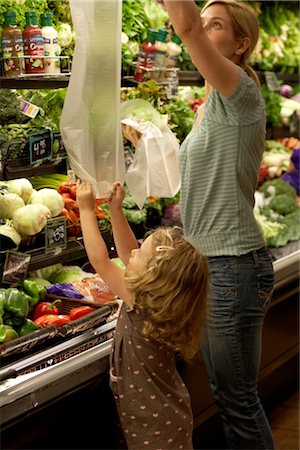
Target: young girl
(164, 288)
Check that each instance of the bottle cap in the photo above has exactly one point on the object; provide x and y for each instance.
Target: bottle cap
(152, 34)
(46, 19)
(31, 18)
(176, 39)
(162, 35)
(10, 18)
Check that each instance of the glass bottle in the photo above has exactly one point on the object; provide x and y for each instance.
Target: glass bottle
(33, 44)
(12, 46)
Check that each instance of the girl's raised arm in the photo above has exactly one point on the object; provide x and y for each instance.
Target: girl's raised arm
(95, 246)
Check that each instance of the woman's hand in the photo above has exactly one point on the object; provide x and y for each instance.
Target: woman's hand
(116, 196)
(85, 196)
(131, 134)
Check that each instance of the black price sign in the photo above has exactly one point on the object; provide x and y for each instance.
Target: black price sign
(272, 81)
(56, 234)
(40, 146)
(15, 268)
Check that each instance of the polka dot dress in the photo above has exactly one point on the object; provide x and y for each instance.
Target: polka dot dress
(153, 403)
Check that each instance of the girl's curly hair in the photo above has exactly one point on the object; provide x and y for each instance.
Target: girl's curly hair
(172, 290)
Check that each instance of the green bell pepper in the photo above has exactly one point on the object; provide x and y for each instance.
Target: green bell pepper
(35, 291)
(27, 327)
(16, 307)
(7, 333)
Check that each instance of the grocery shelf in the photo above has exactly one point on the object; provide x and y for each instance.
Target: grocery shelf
(44, 168)
(34, 82)
(186, 78)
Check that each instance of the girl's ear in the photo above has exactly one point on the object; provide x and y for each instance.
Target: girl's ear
(242, 46)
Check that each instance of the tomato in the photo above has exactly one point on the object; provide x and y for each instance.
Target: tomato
(80, 311)
(64, 187)
(44, 308)
(71, 205)
(52, 319)
(73, 191)
(66, 195)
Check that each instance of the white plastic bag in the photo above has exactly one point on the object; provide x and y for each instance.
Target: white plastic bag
(90, 121)
(155, 168)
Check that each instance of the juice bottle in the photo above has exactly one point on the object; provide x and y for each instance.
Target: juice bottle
(33, 44)
(12, 46)
(146, 57)
(51, 46)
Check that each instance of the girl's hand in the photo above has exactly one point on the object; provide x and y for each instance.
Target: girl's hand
(85, 196)
(131, 134)
(116, 196)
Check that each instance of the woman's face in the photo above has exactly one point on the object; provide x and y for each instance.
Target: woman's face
(140, 256)
(218, 27)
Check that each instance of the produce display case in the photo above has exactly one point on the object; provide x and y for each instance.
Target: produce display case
(74, 364)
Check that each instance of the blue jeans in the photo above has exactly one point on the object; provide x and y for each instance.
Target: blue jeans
(241, 289)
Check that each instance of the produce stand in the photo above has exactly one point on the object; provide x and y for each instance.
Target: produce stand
(70, 367)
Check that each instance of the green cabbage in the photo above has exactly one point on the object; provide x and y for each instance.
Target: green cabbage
(50, 198)
(9, 203)
(30, 219)
(20, 186)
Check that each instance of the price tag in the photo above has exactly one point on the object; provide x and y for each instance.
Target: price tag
(15, 267)
(55, 234)
(272, 81)
(40, 146)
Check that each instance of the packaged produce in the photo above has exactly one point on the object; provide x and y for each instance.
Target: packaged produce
(12, 46)
(33, 45)
(51, 45)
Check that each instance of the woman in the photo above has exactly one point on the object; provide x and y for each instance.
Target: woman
(220, 162)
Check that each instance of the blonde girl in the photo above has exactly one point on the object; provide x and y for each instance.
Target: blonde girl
(164, 288)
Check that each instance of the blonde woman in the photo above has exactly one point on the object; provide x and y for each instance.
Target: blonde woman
(164, 288)
(220, 162)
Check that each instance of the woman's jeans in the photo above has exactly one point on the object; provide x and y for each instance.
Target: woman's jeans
(241, 289)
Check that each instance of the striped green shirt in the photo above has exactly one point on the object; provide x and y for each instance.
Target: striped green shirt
(220, 162)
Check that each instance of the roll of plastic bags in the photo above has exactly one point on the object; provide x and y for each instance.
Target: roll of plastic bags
(155, 168)
(90, 122)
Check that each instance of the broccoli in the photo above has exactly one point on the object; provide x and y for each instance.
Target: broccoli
(283, 204)
(10, 108)
(292, 222)
(275, 234)
(276, 187)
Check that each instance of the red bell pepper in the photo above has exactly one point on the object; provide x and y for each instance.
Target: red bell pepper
(80, 311)
(52, 319)
(44, 308)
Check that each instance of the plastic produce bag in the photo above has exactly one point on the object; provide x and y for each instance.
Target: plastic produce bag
(155, 168)
(90, 121)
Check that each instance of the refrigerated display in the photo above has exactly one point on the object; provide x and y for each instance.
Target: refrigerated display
(65, 380)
